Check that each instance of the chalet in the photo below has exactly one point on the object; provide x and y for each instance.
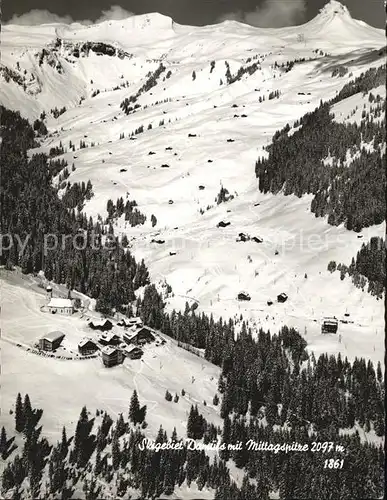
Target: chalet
(223, 224)
(129, 336)
(269, 302)
(146, 333)
(243, 296)
(282, 297)
(133, 352)
(108, 338)
(201, 187)
(111, 356)
(141, 336)
(243, 237)
(86, 347)
(329, 325)
(127, 322)
(102, 326)
(61, 306)
(51, 341)
(257, 239)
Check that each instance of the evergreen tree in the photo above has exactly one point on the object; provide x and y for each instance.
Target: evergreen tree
(29, 423)
(120, 426)
(134, 408)
(115, 451)
(3, 442)
(19, 414)
(64, 444)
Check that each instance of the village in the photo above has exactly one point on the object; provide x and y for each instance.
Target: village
(115, 340)
(112, 340)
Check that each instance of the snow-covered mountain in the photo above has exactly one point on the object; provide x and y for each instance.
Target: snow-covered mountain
(208, 100)
(180, 123)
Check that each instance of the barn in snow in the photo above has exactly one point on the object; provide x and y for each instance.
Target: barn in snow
(282, 297)
(329, 325)
(243, 296)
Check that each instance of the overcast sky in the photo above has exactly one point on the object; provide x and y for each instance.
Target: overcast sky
(265, 13)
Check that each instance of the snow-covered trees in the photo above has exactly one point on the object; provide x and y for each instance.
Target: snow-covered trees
(137, 413)
(296, 162)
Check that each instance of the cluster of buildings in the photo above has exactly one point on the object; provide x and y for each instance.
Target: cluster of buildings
(117, 344)
(114, 344)
(116, 347)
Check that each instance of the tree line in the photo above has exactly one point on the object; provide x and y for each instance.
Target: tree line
(51, 234)
(367, 270)
(297, 163)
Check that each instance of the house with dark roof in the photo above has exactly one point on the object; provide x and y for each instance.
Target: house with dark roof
(108, 338)
(51, 341)
(243, 296)
(144, 335)
(86, 347)
(282, 297)
(329, 325)
(111, 356)
(139, 336)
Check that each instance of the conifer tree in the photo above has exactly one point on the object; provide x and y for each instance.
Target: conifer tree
(29, 423)
(3, 442)
(120, 426)
(134, 408)
(19, 414)
(115, 451)
(64, 444)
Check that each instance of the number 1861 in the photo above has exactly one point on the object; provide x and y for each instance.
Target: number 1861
(331, 463)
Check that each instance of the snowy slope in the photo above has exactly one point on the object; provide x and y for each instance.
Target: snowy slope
(50, 382)
(210, 266)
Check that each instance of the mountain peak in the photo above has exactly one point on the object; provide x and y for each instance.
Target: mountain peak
(334, 8)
